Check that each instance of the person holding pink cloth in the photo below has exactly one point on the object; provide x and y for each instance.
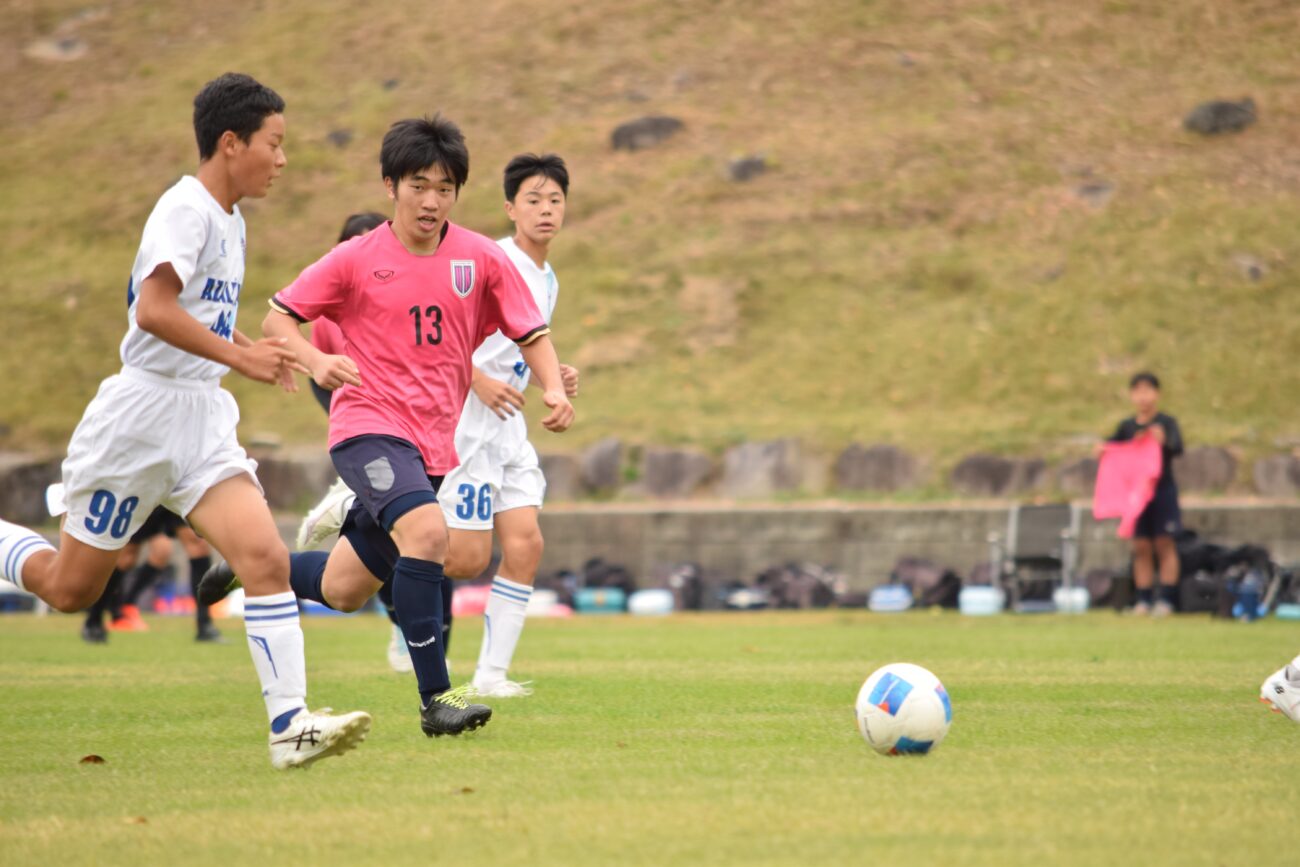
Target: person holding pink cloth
(1161, 520)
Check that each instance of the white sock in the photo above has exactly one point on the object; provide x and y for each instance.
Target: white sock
(275, 641)
(503, 621)
(16, 545)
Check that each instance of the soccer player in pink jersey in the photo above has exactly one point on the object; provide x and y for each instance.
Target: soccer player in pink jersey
(413, 299)
(327, 337)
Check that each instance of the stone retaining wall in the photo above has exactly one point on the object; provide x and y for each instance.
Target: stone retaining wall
(862, 541)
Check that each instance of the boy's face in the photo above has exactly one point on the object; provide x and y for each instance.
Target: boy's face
(255, 164)
(422, 202)
(538, 209)
(1144, 397)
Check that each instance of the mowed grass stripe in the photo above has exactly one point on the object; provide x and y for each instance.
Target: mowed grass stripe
(693, 739)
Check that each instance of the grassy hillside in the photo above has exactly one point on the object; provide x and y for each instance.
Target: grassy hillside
(918, 267)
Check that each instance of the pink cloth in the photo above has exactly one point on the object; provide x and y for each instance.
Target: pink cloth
(327, 337)
(1126, 482)
(411, 323)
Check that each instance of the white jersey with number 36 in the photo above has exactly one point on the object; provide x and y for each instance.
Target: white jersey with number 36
(499, 357)
(205, 246)
(499, 469)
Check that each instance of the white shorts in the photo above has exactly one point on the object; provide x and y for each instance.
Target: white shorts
(492, 478)
(148, 440)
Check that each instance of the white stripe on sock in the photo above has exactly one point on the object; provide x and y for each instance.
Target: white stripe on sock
(506, 607)
(17, 545)
(276, 644)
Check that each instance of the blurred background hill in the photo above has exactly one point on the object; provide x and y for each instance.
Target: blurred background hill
(963, 224)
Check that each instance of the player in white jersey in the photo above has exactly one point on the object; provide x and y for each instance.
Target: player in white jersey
(499, 483)
(162, 431)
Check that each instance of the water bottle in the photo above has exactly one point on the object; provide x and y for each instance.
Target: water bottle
(1248, 595)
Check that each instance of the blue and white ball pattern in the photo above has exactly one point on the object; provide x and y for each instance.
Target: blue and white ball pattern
(903, 709)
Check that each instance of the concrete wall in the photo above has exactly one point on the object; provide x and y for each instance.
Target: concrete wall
(862, 541)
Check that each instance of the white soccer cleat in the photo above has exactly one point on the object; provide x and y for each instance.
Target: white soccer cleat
(502, 688)
(399, 658)
(314, 735)
(325, 519)
(1282, 691)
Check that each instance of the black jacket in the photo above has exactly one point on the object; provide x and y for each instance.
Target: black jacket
(1129, 429)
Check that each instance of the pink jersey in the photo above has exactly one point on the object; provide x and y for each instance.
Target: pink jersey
(327, 337)
(1126, 482)
(411, 324)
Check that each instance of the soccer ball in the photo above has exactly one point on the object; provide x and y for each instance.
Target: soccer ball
(903, 709)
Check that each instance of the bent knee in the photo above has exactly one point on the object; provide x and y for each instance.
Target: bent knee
(425, 538)
(261, 559)
(467, 564)
(348, 602)
(528, 546)
(72, 599)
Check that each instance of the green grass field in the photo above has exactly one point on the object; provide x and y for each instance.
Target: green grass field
(695, 739)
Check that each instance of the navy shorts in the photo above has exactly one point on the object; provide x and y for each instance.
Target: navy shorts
(388, 476)
(1162, 516)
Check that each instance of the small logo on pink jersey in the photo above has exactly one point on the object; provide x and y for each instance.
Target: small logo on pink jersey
(462, 276)
(384, 275)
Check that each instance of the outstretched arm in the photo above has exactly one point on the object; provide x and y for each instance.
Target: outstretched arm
(158, 311)
(500, 397)
(539, 355)
(328, 371)
(569, 374)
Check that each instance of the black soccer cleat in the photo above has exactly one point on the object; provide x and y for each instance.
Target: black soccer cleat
(94, 633)
(216, 584)
(448, 713)
(210, 634)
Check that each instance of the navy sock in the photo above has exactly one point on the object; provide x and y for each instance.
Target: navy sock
(1146, 595)
(385, 595)
(199, 565)
(417, 593)
(1169, 594)
(145, 576)
(448, 590)
(95, 613)
(306, 569)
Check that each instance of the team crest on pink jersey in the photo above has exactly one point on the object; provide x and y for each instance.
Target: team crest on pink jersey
(462, 276)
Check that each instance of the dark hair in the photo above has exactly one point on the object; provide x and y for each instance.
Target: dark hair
(359, 224)
(1144, 377)
(416, 143)
(234, 102)
(526, 166)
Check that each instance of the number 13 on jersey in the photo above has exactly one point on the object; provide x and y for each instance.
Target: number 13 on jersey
(428, 324)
